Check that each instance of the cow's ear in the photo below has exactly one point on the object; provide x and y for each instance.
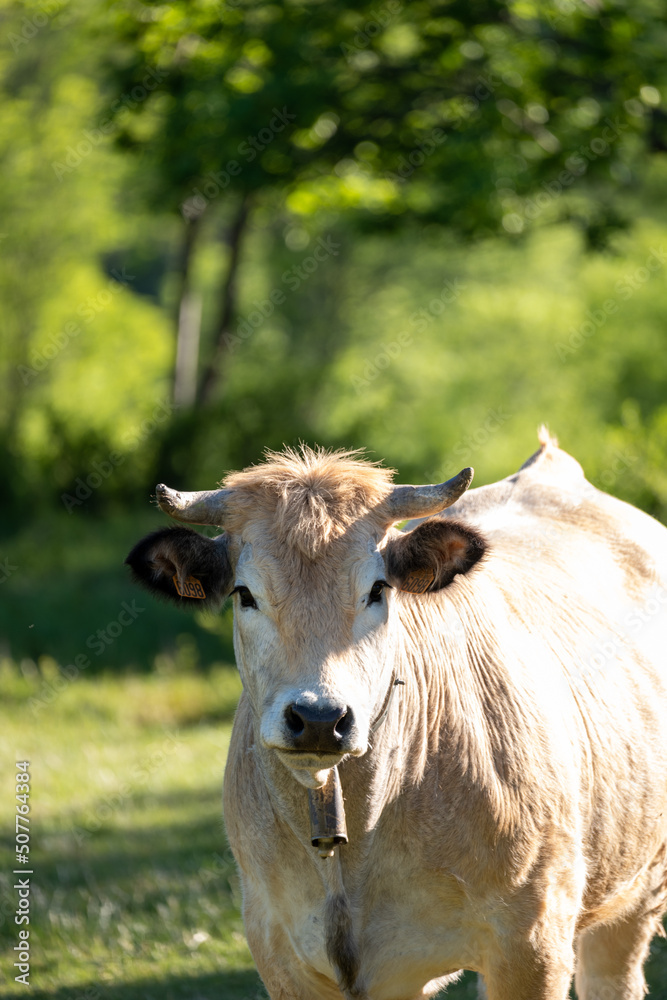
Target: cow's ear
(430, 556)
(183, 565)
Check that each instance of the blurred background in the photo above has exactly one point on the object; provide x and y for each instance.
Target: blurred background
(418, 228)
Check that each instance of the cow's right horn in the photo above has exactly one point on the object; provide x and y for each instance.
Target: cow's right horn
(421, 501)
(204, 507)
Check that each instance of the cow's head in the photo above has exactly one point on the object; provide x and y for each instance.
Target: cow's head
(313, 563)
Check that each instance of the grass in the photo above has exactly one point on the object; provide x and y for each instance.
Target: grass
(134, 888)
(134, 891)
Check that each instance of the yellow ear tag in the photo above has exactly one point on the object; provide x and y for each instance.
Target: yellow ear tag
(191, 588)
(419, 581)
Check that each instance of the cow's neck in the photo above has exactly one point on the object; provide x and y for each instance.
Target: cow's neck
(441, 701)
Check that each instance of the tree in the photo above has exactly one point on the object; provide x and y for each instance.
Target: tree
(485, 117)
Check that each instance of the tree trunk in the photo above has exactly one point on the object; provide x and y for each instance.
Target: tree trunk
(187, 350)
(188, 321)
(228, 298)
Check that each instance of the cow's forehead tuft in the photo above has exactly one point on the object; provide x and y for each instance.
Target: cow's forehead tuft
(309, 497)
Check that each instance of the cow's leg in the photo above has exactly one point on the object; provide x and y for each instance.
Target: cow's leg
(528, 981)
(284, 977)
(281, 983)
(537, 969)
(610, 958)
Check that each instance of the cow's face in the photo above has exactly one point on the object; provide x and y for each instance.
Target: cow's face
(316, 640)
(314, 644)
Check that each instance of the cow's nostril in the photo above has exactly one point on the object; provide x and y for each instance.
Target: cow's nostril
(344, 724)
(295, 723)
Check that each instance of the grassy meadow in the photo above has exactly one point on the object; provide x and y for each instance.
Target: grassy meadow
(135, 895)
(134, 888)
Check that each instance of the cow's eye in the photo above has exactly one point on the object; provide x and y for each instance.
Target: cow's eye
(247, 600)
(375, 595)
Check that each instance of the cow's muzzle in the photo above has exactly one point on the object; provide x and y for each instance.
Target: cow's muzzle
(322, 728)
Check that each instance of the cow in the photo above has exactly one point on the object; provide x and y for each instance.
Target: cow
(450, 752)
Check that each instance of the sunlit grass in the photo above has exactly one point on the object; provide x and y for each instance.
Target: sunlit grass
(134, 888)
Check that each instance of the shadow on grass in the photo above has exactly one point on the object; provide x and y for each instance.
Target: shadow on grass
(193, 857)
(246, 985)
(216, 986)
(105, 850)
(133, 870)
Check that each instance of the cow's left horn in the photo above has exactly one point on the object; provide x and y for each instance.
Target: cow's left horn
(205, 507)
(420, 501)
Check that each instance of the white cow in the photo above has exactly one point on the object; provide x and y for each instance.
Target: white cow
(488, 690)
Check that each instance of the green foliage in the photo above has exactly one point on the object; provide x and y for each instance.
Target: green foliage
(101, 156)
(84, 359)
(435, 355)
(454, 113)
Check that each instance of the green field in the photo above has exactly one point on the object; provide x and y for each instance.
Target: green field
(134, 892)
(135, 895)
